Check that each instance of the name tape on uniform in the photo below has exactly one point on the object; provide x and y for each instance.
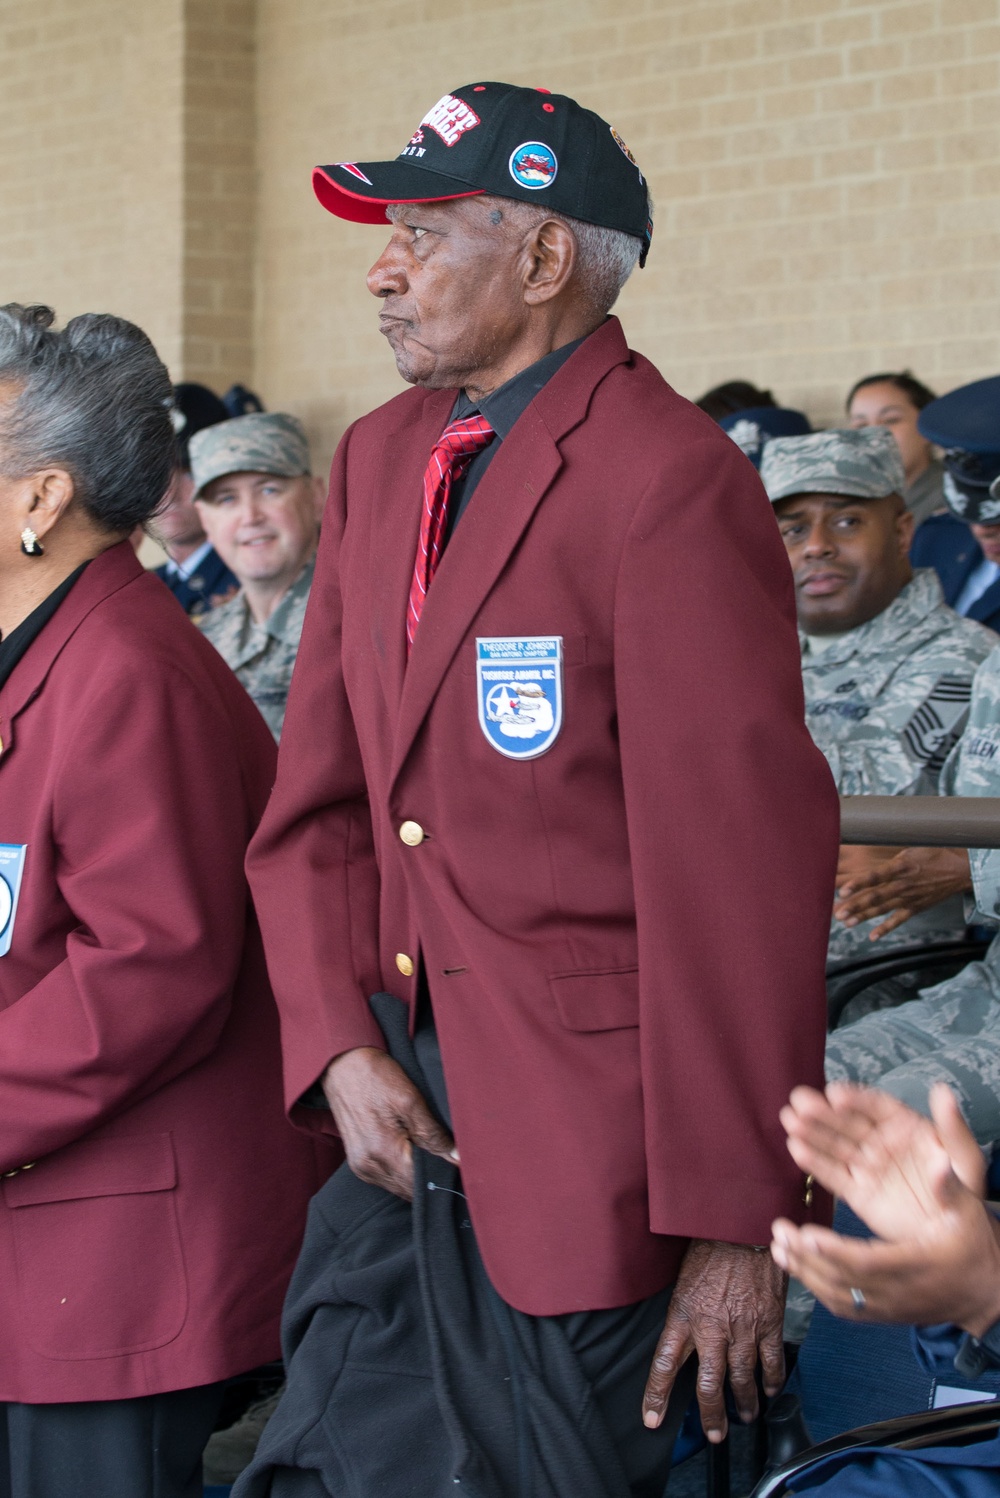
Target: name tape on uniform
(519, 686)
(11, 868)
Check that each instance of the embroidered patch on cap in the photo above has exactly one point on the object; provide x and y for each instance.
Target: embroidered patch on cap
(533, 164)
(355, 171)
(625, 151)
(450, 118)
(520, 691)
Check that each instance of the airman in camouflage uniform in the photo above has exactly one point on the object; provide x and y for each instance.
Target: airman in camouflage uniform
(951, 1033)
(259, 505)
(888, 699)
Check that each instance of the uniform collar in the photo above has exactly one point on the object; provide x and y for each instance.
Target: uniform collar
(284, 624)
(921, 596)
(190, 565)
(285, 621)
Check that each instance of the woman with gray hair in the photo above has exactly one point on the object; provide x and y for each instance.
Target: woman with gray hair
(152, 1196)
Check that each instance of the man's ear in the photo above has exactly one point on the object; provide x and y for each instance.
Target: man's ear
(550, 255)
(905, 526)
(48, 494)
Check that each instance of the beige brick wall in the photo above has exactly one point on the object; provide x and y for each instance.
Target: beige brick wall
(91, 162)
(219, 136)
(826, 172)
(126, 169)
(827, 176)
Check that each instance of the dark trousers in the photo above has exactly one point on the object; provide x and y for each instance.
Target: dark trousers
(118, 1448)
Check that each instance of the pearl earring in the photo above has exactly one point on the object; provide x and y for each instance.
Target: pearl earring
(30, 544)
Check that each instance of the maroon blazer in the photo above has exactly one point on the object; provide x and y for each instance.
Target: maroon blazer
(153, 1196)
(624, 937)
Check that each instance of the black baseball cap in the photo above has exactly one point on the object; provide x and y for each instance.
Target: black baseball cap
(522, 143)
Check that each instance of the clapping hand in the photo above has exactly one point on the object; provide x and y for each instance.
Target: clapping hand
(918, 1185)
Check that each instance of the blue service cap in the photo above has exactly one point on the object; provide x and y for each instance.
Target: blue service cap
(752, 428)
(966, 424)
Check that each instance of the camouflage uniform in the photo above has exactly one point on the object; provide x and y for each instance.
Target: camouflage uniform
(262, 655)
(951, 1033)
(886, 702)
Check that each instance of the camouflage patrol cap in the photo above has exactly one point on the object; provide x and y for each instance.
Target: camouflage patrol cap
(861, 463)
(262, 442)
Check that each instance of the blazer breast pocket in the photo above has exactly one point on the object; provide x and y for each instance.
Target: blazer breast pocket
(100, 1272)
(597, 999)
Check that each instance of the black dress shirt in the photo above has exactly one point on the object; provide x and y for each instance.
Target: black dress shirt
(501, 409)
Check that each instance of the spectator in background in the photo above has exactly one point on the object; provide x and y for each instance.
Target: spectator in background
(260, 509)
(887, 666)
(750, 417)
(239, 401)
(935, 1262)
(895, 401)
(734, 395)
(195, 575)
(963, 544)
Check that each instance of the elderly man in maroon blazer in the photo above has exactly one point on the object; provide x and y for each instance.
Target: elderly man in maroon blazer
(153, 1194)
(545, 778)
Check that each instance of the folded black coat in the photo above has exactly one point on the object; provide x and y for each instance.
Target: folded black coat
(408, 1375)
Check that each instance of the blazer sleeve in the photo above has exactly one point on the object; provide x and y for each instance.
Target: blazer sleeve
(150, 820)
(312, 863)
(733, 829)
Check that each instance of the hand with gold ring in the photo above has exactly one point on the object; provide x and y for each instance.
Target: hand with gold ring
(918, 1185)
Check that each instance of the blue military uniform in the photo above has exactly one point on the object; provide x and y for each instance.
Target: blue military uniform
(945, 543)
(202, 589)
(966, 424)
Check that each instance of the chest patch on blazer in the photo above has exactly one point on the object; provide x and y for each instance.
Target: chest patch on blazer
(519, 685)
(11, 865)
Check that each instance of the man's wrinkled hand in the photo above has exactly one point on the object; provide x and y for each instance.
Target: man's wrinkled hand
(380, 1116)
(728, 1306)
(901, 885)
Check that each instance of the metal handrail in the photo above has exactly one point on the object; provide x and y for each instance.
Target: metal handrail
(921, 821)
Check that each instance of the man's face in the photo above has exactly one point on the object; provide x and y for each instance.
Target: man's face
(848, 556)
(178, 522)
(263, 527)
(988, 537)
(451, 290)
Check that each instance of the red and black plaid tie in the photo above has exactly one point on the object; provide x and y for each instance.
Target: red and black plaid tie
(453, 452)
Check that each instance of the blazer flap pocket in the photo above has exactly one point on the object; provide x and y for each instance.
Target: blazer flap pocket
(599, 999)
(120, 1166)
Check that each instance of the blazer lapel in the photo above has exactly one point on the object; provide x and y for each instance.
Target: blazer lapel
(505, 501)
(104, 576)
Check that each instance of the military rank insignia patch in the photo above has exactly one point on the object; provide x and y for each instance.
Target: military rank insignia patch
(11, 865)
(520, 690)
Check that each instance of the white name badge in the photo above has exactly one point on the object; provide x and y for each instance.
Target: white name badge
(519, 686)
(11, 868)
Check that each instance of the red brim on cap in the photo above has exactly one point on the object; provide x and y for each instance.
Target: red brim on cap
(359, 191)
